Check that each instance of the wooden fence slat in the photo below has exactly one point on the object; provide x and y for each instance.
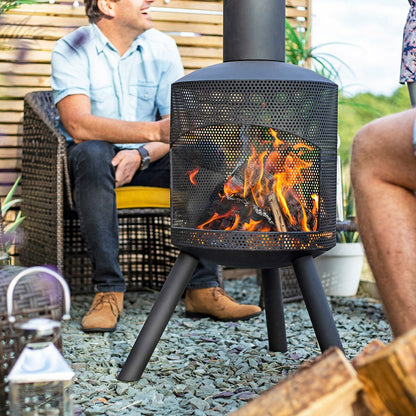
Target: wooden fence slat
(193, 52)
(199, 62)
(52, 33)
(10, 164)
(10, 130)
(8, 177)
(199, 41)
(36, 20)
(6, 188)
(17, 91)
(26, 81)
(24, 69)
(27, 56)
(11, 105)
(10, 117)
(186, 17)
(191, 27)
(10, 153)
(8, 141)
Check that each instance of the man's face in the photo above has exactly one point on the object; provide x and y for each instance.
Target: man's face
(134, 15)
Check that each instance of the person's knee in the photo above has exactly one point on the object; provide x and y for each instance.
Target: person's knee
(92, 155)
(362, 149)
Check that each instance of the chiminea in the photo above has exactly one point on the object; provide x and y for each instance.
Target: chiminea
(253, 173)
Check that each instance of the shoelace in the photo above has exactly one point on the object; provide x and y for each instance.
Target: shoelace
(220, 292)
(105, 298)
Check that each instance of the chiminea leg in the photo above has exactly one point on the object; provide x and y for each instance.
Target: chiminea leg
(316, 303)
(273, 303)
(158, 317)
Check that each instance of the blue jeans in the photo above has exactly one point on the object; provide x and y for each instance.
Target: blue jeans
(93, 181)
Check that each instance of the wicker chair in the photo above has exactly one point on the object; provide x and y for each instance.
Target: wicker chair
(51, 226)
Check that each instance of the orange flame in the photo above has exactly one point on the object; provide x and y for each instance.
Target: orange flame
(192, 173)
(279, 171)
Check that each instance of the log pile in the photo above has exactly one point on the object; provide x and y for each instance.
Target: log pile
(380, 381)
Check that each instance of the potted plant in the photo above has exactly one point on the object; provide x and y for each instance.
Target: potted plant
(340, 268)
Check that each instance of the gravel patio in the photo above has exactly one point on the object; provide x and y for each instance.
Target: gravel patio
(202, 367)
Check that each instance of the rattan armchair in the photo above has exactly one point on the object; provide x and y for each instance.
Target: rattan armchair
(51, 226)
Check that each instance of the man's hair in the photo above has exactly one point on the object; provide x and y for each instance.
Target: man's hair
(92, 11)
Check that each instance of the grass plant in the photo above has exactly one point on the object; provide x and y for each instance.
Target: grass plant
(11, 226)
(349, 212)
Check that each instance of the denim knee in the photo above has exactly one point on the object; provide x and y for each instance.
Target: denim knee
(92, 157)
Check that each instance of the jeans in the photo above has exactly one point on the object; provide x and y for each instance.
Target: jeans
(93, 180)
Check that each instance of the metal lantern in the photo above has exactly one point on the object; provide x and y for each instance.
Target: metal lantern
(40, 382)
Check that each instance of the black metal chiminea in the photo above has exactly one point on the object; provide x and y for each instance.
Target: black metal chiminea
(253, 173)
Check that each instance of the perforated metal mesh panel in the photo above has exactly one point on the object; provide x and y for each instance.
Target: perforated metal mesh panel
(240, 147)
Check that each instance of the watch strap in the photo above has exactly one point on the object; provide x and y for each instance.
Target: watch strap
(145, 158)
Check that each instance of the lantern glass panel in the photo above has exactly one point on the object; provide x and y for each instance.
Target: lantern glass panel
(41, 398)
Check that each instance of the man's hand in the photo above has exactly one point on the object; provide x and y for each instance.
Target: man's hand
(126, 163)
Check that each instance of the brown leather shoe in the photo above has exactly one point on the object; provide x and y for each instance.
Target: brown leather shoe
(213, 302)
(104, 312)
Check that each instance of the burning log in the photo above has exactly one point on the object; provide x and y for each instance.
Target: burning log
(268, 183)
(277, 213)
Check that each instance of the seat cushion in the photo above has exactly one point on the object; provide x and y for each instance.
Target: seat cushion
(142, 197)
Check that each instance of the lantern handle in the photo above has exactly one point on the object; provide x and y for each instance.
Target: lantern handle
(31, 270)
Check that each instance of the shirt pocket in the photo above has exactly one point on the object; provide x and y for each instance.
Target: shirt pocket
(142, 99)
(104, 102)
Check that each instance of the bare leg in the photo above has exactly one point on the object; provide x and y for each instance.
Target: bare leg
(411, 86)
(383, 172)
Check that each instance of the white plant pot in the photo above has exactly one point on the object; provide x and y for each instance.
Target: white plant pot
(340, 269)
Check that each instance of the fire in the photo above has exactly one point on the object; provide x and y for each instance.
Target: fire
(192, 173)
(266, 193)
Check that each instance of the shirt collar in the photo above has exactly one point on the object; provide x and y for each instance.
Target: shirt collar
(102, 41)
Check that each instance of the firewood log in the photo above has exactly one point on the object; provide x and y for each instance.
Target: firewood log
(328, 386)
(388, 375)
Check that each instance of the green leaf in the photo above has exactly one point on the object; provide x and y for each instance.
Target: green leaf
(10, 228)
(10, 194)
(6, 207)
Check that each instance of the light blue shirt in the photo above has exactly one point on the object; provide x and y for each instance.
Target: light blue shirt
(132, 87)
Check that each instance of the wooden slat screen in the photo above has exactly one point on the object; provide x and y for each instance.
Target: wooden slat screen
(28, 34)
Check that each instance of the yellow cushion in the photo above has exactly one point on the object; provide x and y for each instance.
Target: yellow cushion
(142, 197)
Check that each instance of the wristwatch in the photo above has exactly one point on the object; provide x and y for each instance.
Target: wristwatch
(144, 154)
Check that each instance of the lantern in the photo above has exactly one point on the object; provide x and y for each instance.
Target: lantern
(40, 382)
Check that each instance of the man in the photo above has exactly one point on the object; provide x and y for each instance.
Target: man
(109, 80)
(383, 172)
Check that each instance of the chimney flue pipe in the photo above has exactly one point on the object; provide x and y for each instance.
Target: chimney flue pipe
(254, 30)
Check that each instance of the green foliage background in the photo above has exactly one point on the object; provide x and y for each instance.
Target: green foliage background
(355, 112)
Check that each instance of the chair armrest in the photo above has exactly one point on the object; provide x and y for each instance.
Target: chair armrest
(44, 174)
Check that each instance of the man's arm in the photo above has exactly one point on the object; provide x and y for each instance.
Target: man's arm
(75, 114)
(128, 161)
